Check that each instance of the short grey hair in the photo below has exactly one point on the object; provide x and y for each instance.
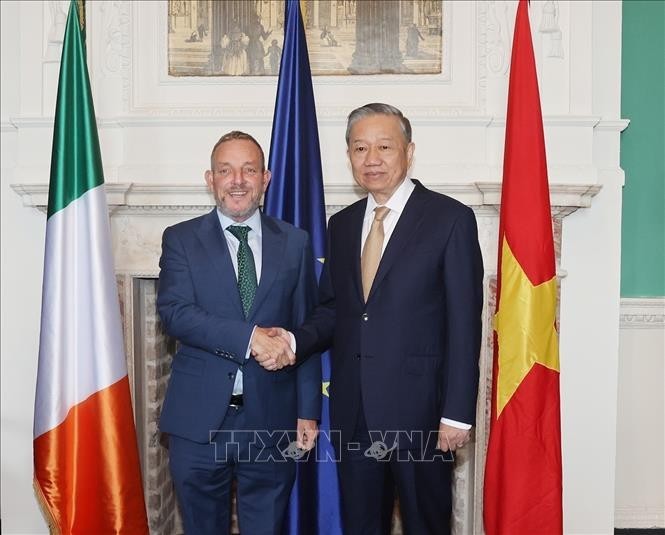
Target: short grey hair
(378, 108)
(233, 135)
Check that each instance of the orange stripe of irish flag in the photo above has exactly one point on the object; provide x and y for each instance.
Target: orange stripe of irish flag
(85, 468)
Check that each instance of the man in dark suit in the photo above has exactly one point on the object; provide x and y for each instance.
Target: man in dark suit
(233, 392)
(400, 302)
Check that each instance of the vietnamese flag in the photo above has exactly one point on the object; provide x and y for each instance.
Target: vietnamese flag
(87, 473)
(523, 486)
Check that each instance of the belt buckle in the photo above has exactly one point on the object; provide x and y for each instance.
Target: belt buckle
(237, 402)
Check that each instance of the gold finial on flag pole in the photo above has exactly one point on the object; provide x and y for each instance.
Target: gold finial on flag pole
(81, 12)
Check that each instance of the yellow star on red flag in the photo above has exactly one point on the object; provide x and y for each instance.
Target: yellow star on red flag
(524, 325)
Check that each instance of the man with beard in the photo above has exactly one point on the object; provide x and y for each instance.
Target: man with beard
(233, 387)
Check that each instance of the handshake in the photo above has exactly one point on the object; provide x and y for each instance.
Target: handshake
(271, 347)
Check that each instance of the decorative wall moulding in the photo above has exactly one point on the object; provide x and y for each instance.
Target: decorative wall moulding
(564, 198)
(153, 199)
(639, 517)
(642, 313)
(47, 122)
(36, 195)
(325, 116)
(587, 121)
(115, 29)
(432, 115)
(609, 125)
(147, 85)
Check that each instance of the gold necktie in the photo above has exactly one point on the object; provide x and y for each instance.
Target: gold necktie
(371, 255)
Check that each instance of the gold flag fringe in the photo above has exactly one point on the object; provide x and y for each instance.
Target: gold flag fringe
(53, 527)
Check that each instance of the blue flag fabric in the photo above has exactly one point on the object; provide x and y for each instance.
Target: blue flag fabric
(295, 194)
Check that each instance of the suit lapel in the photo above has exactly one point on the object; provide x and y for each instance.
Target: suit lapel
(212, 237)
(354, 231)
(272, 250)
(407, 227)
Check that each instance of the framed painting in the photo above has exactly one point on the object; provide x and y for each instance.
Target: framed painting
(344, 37)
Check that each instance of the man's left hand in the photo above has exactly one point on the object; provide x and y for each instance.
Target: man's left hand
(452, 438)
(307, 433)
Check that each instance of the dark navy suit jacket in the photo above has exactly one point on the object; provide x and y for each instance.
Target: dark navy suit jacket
(199, 304)
(410, 354)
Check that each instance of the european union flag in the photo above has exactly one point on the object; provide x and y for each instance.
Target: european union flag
(295, 195)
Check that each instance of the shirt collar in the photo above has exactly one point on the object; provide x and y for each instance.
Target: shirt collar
(253, 221)
(397, 200)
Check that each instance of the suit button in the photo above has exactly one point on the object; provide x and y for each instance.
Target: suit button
(358, 356)
(365, 316)
(231, 375)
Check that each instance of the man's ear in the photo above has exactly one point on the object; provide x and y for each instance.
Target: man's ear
(267, 175)
(208, 178)
(410, 149)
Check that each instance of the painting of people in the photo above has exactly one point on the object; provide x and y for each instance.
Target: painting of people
(344, 37)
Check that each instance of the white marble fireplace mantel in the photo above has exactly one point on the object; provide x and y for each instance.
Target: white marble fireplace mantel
(144, 199)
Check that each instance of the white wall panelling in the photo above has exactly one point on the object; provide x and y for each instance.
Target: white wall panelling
(640, 493)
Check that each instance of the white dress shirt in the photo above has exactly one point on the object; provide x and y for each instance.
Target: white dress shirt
(254, 239)
(396, 203)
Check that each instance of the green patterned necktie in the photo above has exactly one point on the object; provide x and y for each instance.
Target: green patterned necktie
(246, 268)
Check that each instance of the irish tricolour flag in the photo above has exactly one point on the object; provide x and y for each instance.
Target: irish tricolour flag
(87, 474)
